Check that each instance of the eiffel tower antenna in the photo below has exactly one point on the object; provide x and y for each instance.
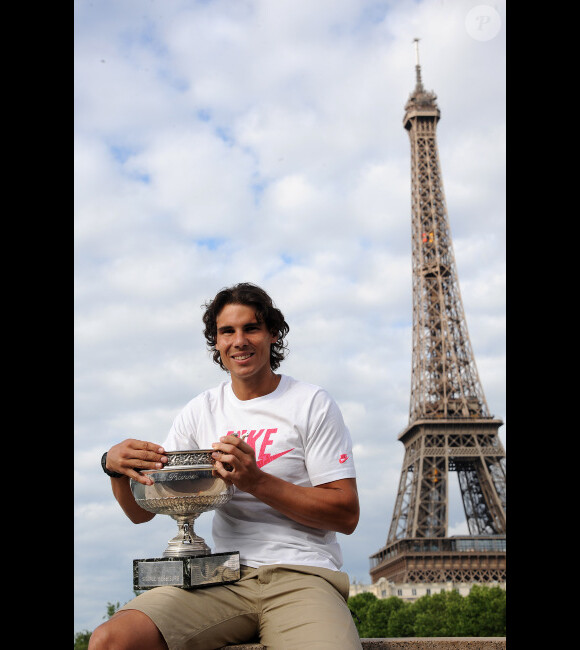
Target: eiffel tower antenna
(450, 428)
(417, 64)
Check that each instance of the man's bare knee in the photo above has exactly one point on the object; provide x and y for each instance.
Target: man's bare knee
(127, 630)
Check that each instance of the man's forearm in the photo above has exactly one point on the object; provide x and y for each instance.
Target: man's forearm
(122, 492)
(331, 506)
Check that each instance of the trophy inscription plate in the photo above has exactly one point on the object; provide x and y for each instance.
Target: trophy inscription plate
(183, 489)
(186, 572)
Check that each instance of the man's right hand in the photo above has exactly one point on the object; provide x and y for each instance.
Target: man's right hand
(130, 456)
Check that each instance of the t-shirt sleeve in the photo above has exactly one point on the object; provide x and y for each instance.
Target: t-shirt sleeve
(328, 453)
(182, 435)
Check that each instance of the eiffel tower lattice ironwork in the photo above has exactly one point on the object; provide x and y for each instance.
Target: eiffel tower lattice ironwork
(450, 428)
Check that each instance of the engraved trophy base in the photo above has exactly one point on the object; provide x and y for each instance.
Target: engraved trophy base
(186, 572)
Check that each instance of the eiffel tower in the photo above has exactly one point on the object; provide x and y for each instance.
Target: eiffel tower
(450, 428)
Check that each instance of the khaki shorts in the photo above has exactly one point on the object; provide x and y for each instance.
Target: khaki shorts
(284, 606)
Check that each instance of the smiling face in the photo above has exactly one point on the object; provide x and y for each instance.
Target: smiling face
(244, 347)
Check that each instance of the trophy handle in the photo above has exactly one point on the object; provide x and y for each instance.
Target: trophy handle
(186, 543)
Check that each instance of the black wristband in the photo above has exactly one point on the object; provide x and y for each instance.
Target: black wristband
(108, 471)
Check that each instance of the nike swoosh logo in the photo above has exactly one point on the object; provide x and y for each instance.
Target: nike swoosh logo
(268, 459)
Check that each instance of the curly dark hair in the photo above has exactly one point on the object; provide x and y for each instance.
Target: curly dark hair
(249, 294)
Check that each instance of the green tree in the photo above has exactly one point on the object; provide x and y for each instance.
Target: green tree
(439, 614)
(481, 613)
(454, 613)
(378, 615)
(402, 621)
(484, 612)
(111, 609)
(359, 606)
(82, 640)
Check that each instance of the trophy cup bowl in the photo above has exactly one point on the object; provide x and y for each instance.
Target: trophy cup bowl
(183, 489)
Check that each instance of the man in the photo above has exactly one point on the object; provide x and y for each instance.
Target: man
(295, 488)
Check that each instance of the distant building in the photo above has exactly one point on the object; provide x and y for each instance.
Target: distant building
(411, 591)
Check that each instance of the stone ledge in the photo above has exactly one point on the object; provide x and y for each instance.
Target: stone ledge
(414, 643)
(436, 643)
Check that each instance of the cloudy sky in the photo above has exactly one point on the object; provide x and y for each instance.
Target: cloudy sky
(219, 141)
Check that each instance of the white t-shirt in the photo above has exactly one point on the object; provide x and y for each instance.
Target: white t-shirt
(299, 435)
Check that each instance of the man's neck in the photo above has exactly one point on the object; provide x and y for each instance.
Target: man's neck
(255, 386)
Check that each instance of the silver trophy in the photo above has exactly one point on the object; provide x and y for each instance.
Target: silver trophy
(183, 489)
